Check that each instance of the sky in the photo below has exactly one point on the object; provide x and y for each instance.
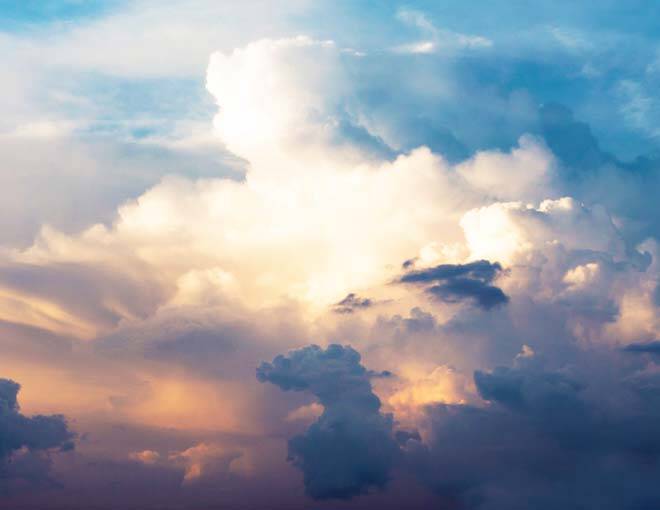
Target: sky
(314, 254)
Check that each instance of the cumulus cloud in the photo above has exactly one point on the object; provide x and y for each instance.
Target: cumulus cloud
(25, 439)
(145, 456)
(573, 256)
(594, 175)
(259, 238)
(520, 228)
(196, 279)
(556, 421)
(204, 462)
(533, 423)
(351, 447)
(524, 174)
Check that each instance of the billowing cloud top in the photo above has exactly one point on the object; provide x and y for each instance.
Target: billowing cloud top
(351, 446)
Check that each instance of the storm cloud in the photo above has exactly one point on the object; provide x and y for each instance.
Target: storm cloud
(533, 440)
(351, 447)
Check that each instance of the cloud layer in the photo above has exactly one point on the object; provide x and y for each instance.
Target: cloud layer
(443, 233)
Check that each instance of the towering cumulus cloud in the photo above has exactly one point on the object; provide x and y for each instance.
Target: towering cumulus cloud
(350, 448)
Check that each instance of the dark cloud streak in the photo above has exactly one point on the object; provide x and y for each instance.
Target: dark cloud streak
(351, 303)
(453, 283)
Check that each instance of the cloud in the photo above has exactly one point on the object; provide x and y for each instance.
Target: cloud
(145, 456)
(350, 448)
(480, 269)
(590, 173)
(556, 420)
(439, 40)
(520, 228)
(26, 439)
(206, 462)
(413, 392)
(94, 46)
(225, 238)
(572, 256)
(194, 279)
(456, 282)
(306, 413)
(528, 171)
(647, 347)
(351, 303)
(76, 297)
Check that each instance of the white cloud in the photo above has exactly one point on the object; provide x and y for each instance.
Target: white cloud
(318, 217)
(510, 232)
(524, 174)
(437, 40)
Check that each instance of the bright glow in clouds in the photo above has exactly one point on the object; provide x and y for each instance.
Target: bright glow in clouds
(311, 201)
(169, 309)
(317, 216)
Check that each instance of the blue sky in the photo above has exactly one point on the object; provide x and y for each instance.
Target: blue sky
(595, 59)
(27, 15)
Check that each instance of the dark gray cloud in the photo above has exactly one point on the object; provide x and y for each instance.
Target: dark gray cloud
(351, 303)
(647, 347)
(594, 175)
(458, 282)
(351, 447)
(580, 437)
(570, 140)
(24, 440)
(480, 269)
